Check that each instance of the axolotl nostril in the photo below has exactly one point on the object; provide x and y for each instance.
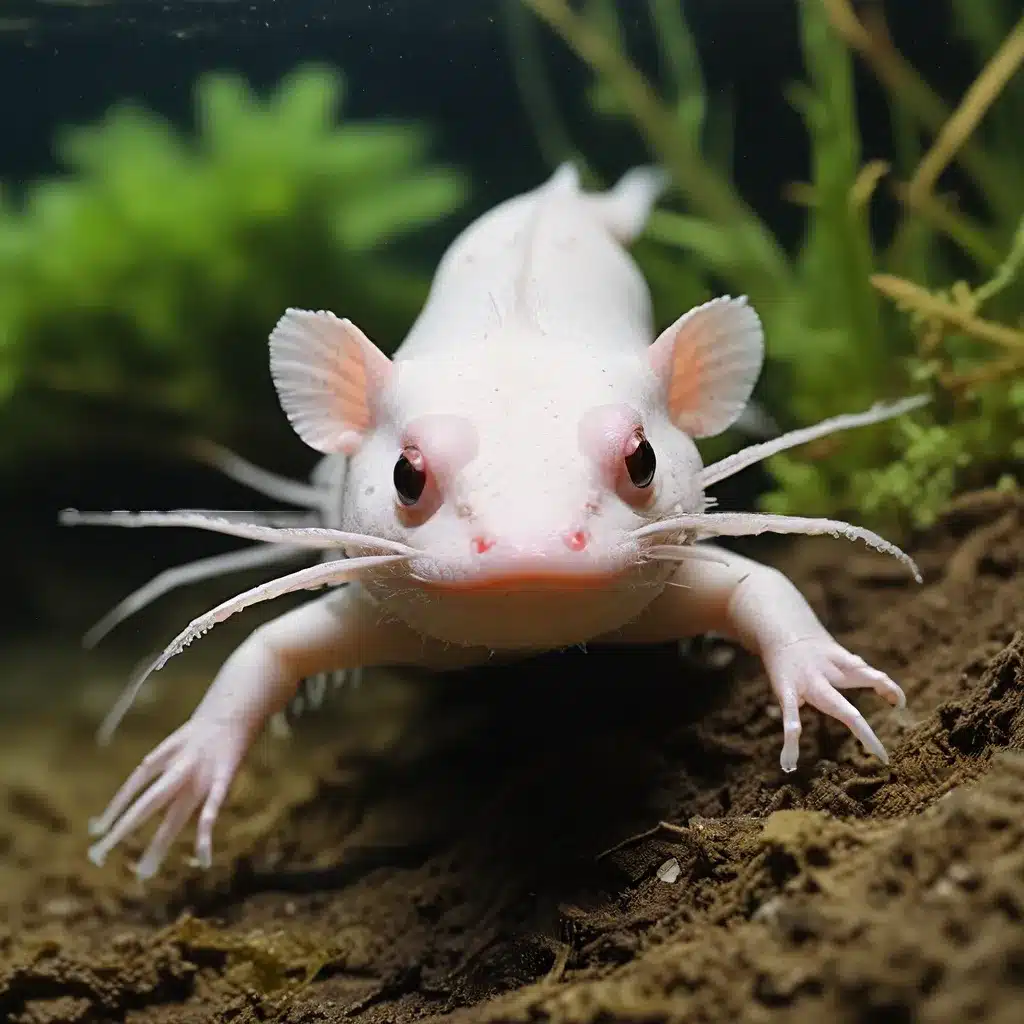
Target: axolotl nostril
(521, 476)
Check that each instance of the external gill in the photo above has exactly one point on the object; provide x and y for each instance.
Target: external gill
(257, 557)
(309, 536)
(685, 529)
(324, 574)
(755, 453)
(322, 497)
(747, 524)
(291, 492)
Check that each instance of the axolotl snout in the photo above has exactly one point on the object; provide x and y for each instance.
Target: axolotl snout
(522, 475)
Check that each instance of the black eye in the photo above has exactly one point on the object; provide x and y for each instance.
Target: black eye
(410, 479)
(641, 463)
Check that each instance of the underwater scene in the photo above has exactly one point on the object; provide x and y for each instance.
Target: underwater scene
(514, 511)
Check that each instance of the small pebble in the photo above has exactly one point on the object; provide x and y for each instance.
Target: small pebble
(721, 657)
(62, 906)
(669, 871)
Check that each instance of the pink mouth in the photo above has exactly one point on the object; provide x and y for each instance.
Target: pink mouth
(526, 580)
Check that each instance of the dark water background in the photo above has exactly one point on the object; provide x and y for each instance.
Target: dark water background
(445, 62)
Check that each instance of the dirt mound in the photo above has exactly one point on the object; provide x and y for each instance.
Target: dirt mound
(584, 837)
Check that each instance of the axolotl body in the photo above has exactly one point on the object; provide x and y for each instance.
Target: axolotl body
(521, 476)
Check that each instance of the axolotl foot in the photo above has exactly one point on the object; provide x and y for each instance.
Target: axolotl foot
(814, 671)
(757, 605)
(192, 768)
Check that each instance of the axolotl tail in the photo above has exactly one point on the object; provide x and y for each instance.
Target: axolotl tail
(625, 207)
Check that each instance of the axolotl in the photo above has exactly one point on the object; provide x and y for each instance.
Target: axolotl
(522, 476)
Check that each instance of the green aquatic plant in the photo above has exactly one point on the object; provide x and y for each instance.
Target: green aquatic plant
(145, 280)
(977, 368)
(834, 341)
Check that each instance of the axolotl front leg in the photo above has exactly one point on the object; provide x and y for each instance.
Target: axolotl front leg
(193, 768)
(760, 608)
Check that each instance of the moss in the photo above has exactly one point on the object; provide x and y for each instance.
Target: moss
(976, 368)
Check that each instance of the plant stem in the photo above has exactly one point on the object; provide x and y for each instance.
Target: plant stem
(976, 102)
(993, 371)
(679, 54)
(957, 226)
(923, 301)
(911, 91)
(1007, 270)
(712, 195)
(552, 136)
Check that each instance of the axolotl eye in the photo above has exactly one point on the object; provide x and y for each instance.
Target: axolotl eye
(410, 476)
(640, 459)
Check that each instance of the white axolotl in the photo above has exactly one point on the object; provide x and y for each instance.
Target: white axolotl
(521, 476)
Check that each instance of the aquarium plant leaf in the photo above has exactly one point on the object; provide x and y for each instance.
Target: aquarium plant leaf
(146, 277)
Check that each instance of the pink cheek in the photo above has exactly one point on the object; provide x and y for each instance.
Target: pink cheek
(448, 442)
(603, 432)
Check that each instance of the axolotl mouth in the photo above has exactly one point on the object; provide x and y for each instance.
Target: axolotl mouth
(523, 582)
(521, 570)
(516, 598)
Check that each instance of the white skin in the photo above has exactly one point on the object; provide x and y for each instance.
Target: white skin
(522, 476)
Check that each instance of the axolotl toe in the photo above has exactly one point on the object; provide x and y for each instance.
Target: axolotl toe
(522, 475)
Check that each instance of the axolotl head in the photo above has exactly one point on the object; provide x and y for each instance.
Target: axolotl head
(519, 470)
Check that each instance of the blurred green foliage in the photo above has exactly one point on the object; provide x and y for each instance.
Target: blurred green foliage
(143, 283)
(835, 342)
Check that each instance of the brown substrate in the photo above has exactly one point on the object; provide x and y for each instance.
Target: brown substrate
(487, 846)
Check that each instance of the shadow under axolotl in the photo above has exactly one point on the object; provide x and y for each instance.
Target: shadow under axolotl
(515, 775)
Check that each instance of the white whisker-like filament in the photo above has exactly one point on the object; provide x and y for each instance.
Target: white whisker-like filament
(234, 515)
(682, 553)
(291, 492)
(755, 453)
(183, 575)
(749, 524)
(310, 536)
(326, 574)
